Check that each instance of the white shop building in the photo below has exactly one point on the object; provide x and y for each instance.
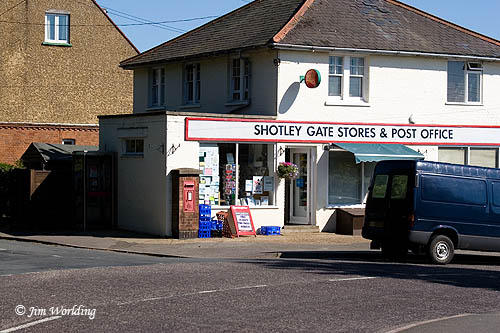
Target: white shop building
(228, 99)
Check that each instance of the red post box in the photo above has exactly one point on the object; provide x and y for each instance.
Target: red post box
(188, 196)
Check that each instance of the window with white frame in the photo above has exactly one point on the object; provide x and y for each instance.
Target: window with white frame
(133, 147)
(57, 28)
(477, 156)
(157, 87)
(347, 77)
(348, 181)
(464, 82)
(240, 80)
(192, 84)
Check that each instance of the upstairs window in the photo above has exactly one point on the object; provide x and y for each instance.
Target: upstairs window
(347, 78)
(240, 80)
(192, 84)
(133, 147)
(157, 90)
(57, 28)
(464, 82)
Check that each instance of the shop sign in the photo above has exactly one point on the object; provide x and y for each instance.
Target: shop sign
(216, 129)
(240, 221)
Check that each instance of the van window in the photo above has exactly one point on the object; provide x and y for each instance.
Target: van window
(399, 186)
(496, 194)
(380, 186)
(454, 190)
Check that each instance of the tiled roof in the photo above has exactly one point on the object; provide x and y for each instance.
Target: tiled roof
(386, 25)
(252, 25)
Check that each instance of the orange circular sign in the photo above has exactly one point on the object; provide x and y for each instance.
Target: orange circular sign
(312, 78)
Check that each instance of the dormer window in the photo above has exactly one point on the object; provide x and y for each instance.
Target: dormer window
(56, 27)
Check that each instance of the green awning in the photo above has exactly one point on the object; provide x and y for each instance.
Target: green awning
(374, 152)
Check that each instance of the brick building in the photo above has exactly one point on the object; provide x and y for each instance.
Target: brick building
(58, 71)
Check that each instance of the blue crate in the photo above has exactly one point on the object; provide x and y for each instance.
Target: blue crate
(270, 230)
(205, 211)
(204, 234)
(205, 226)
(216, 224)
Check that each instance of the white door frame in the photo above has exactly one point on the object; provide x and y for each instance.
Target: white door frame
(310, 218)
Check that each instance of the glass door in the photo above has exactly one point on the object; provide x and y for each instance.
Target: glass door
(299, 191)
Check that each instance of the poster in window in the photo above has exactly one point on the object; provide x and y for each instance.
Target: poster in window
(268, 183)
(264, 200)
(248, 185)
(257, 185)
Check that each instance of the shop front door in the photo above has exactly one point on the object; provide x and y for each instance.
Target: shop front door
(300, 187)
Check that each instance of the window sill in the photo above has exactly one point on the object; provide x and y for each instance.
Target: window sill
(464, 104)
(57, 44)
(155, 108)
(190, 106)
(360, 205)
(132, 156)
(349, 102)
(237, 103)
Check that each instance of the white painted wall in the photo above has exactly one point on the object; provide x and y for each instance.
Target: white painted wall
(141, 181)
(398, 87)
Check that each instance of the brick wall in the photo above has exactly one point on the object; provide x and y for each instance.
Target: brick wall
(184, 224)
(15, 138)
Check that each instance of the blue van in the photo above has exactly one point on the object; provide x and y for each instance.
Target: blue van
(432, 207)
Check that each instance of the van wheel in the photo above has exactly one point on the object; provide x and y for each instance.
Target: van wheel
(441, 250)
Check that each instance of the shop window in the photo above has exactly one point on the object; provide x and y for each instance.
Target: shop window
(485, 157)
(236, 174)
(348, 181)
(464, 82)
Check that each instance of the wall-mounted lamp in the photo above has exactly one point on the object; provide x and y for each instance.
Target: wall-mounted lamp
(281, 151)
(172, 149)
(277, 61)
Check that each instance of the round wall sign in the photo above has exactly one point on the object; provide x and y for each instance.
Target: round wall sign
(313, 78)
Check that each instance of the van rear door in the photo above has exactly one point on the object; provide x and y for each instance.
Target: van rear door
(390, 204)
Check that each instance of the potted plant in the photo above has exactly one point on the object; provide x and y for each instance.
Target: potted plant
(287, 170)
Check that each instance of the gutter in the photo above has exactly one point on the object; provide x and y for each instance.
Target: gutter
(280, 46)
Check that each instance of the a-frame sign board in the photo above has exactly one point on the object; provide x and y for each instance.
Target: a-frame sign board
(240, 221)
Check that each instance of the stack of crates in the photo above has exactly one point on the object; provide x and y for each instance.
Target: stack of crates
(217, 226)
(205, 222)
(270, 230)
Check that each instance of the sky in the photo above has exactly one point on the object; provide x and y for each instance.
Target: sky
(478, 15)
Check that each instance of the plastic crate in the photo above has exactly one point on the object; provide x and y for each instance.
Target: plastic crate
(205, 211)
(216, 224)
(270, 230)
(204, 234)
(205, 225)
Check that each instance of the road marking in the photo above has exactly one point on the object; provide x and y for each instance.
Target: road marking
(207, 291)
(3, 249)
(396, 330)
(352, 279)
(33, 323)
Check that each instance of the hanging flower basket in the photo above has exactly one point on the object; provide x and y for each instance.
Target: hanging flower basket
(288, 170)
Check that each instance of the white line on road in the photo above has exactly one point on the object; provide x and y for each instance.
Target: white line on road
(427, 322)
(353, 279)
(33, 323)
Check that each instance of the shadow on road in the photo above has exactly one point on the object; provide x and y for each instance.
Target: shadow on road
(372, 264)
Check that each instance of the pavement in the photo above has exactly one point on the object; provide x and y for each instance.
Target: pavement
(225, 248)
